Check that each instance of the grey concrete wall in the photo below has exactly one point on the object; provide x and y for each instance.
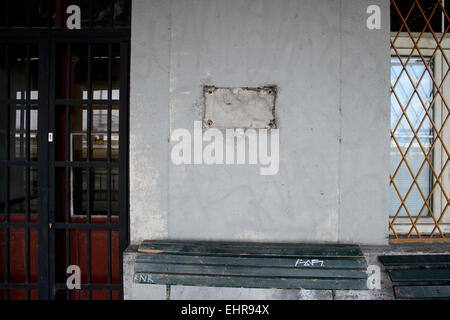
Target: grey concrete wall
(332, 111)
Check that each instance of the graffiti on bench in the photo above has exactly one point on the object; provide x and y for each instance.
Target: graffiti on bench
(309, 263)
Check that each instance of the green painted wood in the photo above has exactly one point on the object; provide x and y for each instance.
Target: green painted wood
(280, 262)
(250, 244)
(251, 282)
(255, 271)
(425, 261)
(422, 292)
(420, 275)
(251, 250)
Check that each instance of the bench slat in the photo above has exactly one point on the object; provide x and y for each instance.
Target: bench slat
(248, 271)
(419, 275)
(422, 292)
(424, 261)
(236, 249)
(251, 282)
(325, 263)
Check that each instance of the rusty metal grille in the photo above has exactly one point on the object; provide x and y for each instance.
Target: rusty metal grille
(420, 111)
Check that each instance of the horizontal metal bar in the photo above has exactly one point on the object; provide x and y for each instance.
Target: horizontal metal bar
(19, 225)
(63, 102)
(33, 35)
(19, 285)
(20, 101)
(421, 240)
(87, 226)
(80, 164)
(26, 164)
(61, 286)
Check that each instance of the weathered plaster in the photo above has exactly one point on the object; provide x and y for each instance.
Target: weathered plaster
(332, 110)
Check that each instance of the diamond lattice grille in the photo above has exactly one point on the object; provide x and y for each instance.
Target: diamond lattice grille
(419, 177)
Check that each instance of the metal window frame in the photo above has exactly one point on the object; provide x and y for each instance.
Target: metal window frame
(434, 45)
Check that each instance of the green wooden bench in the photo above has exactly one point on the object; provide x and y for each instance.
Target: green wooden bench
(419, 276)
(250, 265)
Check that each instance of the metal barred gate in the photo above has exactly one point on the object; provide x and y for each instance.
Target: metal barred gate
(420, 132)
(63, 149)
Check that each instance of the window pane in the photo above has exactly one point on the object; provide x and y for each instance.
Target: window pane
(101, 13)
(18, 13)
(79, 71)
(3, 133)
(17, 71)
(78, 133)
(3, 13)
(79, 191)
(18, 190)
(2, 191)
(42, 13)
(18, 185)
(115, 191)
(17, 57)
(122, 11)
(19, 125)
(416, 117)
(99, 191)
(115, 71)
(416, 21)
(100, 71)
(100, 63)
(3, 75)
(99, 133)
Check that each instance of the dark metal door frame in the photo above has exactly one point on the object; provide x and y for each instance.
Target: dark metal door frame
(47, 164)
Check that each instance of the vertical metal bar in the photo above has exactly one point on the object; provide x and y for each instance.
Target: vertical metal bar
(46, 253)
(67, 131)
(109, 263)
(67, 158)
(89, 258)
(109, 127)
(27, 169)
(89, 178)
(7, 260)
(21, 128)
(51, 169)
(108, 181)
(8, 148)
(123, 157)
(28, 104)
(89, 105)
(69, 75)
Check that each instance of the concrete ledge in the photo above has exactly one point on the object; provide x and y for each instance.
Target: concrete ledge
(136, 291)
(213, 293)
